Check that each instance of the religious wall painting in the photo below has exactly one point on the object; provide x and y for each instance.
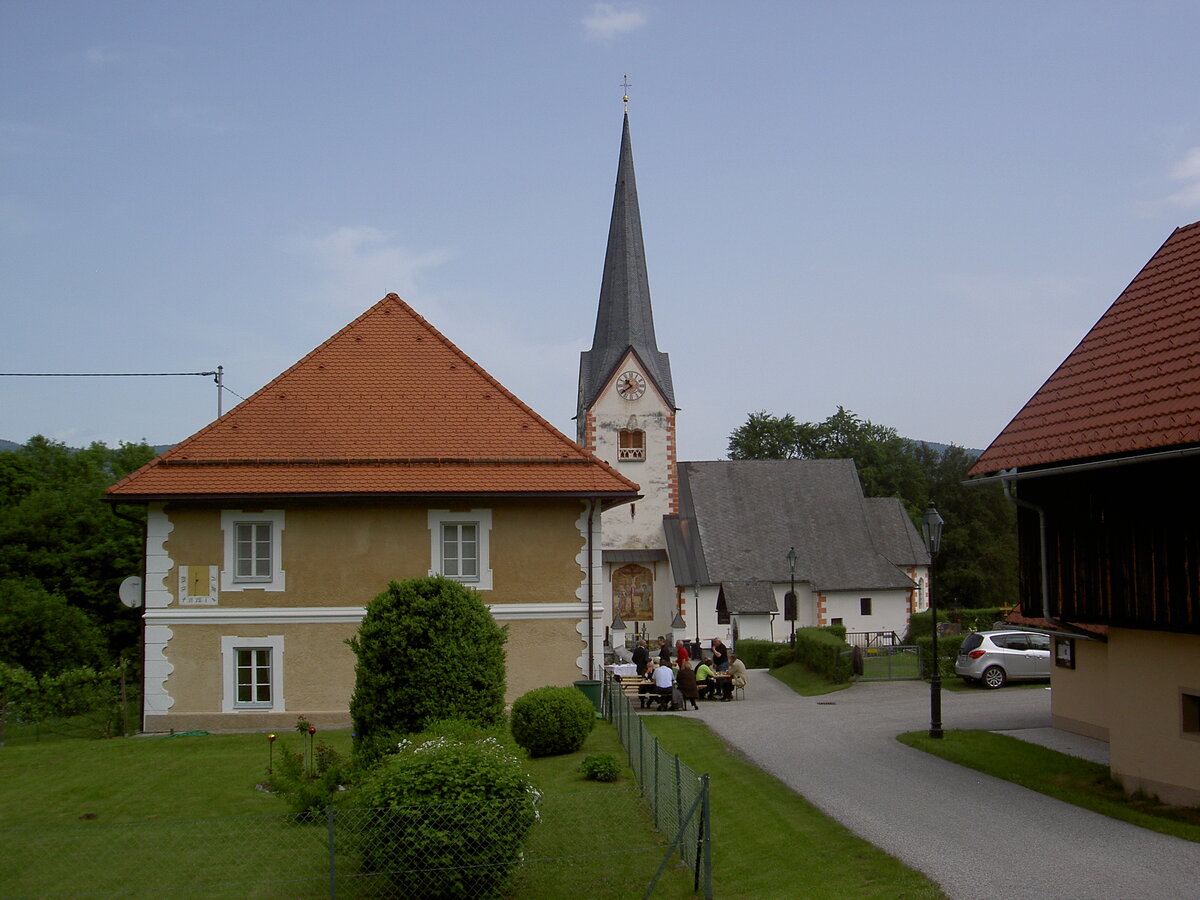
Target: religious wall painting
(633, 593)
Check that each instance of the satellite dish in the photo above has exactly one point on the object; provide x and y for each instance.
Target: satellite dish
(130, 591)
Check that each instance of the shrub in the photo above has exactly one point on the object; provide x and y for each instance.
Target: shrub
(948, 646)
(838, 631)
(549, 721)
(781, 655)
(969, 619)
(600, 767)
(755, 654)
(822, 652)
(309, 793)
(440, 632)
(449, 817)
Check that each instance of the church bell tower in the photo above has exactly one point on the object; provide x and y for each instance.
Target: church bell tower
(626, 416)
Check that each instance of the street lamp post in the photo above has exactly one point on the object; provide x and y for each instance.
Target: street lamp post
(790, 605)
(931, 527)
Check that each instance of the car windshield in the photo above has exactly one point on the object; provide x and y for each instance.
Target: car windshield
(971, 642)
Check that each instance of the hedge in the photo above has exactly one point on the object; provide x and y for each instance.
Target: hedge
(947, 652)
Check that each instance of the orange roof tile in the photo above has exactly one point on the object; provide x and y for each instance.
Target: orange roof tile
(386, 406)
(1132, 384)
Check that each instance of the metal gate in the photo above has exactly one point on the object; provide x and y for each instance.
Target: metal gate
(894, 663)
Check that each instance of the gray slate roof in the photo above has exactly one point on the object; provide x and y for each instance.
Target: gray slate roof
(737, 520)
(624, 320)
(749, 597)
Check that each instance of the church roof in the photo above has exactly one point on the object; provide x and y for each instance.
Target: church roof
(1131, 385)
(749, 597)
(387, 405)
(624, 320)
(737, 520)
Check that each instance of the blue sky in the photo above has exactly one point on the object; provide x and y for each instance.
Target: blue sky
(913, 210)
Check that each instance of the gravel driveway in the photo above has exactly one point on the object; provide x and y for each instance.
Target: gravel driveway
(975, 835)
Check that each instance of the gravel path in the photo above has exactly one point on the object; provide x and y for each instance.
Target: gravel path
(977, 836)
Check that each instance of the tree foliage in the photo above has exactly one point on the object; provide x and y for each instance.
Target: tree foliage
(978, 562)
(42, 633)
(57, 533)
(427, 650)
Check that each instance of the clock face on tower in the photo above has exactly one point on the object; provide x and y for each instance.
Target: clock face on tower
(631, 385)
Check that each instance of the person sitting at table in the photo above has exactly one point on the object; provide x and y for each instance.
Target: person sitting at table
(646, 690)
(737, 669)
(720, 655)
(686, 679)
(664, 685)
(706, 679)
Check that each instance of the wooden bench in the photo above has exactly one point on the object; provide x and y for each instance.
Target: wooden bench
(631, 686)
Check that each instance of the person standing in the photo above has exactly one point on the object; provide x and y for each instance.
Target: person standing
(641, 656)
(664, 650)
(681, 653)
(720, 655)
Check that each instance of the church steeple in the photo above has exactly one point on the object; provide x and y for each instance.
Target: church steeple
(624, 320)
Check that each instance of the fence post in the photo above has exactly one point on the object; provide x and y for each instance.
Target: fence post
(706, 827)
(332, 857)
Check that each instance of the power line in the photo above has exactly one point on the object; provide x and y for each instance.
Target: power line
(218, 374)
(98, 374)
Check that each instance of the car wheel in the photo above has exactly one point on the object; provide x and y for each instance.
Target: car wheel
(994, 677)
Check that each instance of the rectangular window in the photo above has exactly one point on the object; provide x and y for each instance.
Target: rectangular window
(460, 550)
(252, 551)
(254, 676)
(253, 545)
(864, 606)
(1191, 714)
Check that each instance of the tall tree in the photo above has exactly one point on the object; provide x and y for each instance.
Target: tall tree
(57, 532)
(765, 436)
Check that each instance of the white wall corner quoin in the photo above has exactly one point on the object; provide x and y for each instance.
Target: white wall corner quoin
(158, 562)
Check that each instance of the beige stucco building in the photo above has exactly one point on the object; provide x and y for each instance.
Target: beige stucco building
(384, 454)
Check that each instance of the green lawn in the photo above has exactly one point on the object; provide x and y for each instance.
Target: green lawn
(159, 814)
(1067, 778)
(768, 842)
(804, 681)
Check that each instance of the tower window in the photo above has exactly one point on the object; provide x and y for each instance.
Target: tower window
(632, 446)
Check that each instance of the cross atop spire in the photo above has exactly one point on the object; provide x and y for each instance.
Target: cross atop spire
(625, 85)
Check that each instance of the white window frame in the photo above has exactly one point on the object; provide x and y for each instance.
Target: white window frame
(482, 518)
(230, 645)
(230, 519)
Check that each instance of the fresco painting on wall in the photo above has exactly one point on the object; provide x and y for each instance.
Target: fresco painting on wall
(633, 593)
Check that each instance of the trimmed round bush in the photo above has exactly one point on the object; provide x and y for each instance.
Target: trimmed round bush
(550, 721)
(427, 650)
(447, 817)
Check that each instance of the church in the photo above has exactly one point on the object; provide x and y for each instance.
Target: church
(716, 548)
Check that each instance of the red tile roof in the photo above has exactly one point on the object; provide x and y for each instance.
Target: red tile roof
(1132, 384)
(386, 406)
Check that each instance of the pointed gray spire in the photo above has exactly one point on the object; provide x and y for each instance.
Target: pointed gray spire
(624, 320)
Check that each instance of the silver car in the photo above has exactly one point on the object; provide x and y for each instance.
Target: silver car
(995, 657)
